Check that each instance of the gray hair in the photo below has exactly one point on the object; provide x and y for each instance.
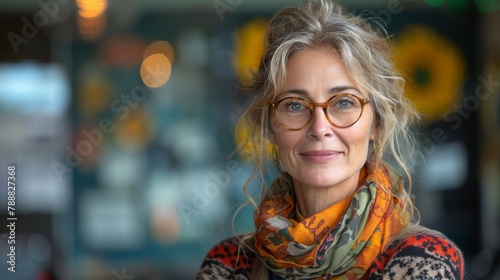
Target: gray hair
(366, 54)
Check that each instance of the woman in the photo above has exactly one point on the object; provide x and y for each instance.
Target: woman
(328, 101)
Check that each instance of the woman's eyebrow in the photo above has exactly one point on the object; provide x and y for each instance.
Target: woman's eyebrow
(297, 91)
(333, 90)
(338, 89)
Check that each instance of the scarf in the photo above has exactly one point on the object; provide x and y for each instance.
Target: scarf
(319, 248)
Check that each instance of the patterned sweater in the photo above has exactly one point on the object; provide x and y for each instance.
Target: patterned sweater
(421, 255)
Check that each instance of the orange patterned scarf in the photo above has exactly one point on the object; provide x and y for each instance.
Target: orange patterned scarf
(319, 248)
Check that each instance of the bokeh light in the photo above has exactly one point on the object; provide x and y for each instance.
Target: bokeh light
(91, 29)
(93, 97)
(165, 224)
(39, 248)
(488, 6)
(135, 131)
(91, 18)
(249, 48)
(91, 8)
(156, 70)
(161, 47)
(123, 50)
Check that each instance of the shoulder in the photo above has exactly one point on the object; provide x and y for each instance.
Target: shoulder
(424, 253)
(227, 260)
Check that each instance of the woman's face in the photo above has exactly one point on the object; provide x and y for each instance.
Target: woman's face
(320, 154)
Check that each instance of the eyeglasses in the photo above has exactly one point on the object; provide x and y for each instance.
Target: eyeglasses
(342, 110)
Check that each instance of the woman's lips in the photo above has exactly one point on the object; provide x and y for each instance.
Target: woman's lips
(319, 156)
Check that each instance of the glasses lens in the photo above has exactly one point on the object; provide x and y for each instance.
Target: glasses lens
(293, 113)
(344, 110)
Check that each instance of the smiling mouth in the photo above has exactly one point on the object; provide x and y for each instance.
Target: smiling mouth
(320, 156)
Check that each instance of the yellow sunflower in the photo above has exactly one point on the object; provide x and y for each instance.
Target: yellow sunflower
(249, 48)
(434, 70)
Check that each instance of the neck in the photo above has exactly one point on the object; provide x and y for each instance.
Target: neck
(313, 199)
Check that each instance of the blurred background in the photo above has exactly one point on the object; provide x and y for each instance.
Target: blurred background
(119, 117)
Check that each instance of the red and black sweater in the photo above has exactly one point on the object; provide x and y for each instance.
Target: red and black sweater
(424, 255)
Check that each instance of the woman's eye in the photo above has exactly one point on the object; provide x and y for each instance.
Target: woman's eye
(295, 106)
(344, 104)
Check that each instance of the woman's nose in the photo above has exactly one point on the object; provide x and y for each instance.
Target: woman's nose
(319, 127)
